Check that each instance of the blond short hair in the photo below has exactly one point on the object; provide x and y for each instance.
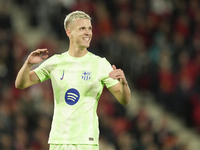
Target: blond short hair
(75, 16)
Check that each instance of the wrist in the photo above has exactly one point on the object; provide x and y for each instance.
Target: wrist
(28, 64)
(125, 83)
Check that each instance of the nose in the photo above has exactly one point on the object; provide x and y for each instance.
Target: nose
(88, 31)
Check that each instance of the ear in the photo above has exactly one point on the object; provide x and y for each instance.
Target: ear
(68, 32)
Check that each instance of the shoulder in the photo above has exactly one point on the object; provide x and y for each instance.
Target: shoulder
(52, 61)
(102, 62)
(96, 57)
(56, 58)
(59, 56)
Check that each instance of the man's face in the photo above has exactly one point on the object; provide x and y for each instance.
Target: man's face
(81, 33)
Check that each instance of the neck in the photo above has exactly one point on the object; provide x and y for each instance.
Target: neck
(77, 52)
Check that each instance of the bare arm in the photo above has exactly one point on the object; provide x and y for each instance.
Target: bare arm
(25, 76)
(121, 91)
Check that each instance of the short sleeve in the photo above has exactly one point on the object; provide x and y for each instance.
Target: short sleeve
(106, 69)
(44, 70)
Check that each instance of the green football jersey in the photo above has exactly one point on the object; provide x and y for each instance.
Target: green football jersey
(77, 85)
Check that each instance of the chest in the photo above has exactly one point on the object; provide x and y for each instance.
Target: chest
(82, 76)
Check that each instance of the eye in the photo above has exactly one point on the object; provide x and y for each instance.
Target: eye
(82, 28)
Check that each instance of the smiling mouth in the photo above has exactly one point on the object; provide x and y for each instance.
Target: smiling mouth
(86, 39)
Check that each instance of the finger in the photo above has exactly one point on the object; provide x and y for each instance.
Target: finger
(41, 51)
(115, 72)
(45, 51)
(44, 55)
(114, 67)
(119, 76)
(115, 75)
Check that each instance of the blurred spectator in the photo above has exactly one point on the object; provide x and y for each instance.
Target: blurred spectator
(5, 16)
(6, 142)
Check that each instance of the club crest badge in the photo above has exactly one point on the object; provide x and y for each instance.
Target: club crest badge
(86, 75)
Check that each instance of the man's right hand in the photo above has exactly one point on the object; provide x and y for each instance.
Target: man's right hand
(37, 56)
(25, 76)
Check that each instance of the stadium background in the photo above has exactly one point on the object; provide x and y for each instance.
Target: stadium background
(155, 42)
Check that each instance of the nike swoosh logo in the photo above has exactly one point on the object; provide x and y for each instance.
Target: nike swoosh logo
(62, 75)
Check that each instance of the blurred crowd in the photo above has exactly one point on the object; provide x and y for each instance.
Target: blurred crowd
(155, 42)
